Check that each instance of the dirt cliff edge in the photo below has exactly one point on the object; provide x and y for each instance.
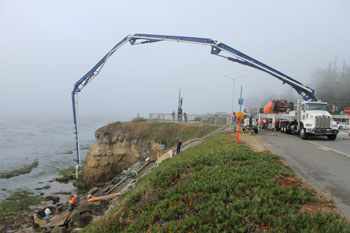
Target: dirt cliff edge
(117, 146)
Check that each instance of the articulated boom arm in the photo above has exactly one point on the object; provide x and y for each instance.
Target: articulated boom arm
(216, 49)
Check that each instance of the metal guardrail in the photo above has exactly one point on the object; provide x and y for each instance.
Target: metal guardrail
(192, 118)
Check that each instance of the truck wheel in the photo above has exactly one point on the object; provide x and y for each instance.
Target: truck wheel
(332, 137)
(288, 129)
(303, 133)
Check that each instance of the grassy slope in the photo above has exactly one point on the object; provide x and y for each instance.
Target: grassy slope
(167, 133)
(218, 186)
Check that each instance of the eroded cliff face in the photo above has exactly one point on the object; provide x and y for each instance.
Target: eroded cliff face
(117, 146)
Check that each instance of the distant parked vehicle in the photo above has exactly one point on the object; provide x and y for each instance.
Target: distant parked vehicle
(343, 125)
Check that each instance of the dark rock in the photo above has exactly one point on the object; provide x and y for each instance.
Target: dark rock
(104, 203)
(25, 230)
(99, 193)
(75, 216)
(85, 219)
(117, 179)
(45, 230)
(93, 190)
(58, 229)
(54, 199)
(71, 225)
(64, 179)
(35, 226)
(96, 210)
(107, 187)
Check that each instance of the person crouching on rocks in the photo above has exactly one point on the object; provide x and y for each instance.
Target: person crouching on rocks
(133, 173)
(72, 203)
(47, 212)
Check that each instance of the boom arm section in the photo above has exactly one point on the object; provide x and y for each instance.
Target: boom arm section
(216, 49)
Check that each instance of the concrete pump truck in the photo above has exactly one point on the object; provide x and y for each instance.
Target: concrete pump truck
(310, 118)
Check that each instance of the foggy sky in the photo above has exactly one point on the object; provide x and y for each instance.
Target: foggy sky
(46, 46)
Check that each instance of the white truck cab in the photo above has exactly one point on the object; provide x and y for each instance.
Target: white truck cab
(312, 118)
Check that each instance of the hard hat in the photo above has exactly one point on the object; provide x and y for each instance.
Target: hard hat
(75, 196)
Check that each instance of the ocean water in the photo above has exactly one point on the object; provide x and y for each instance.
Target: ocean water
(49, 141)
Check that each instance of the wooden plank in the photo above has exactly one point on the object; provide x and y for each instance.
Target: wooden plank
(103, 197)
(55, 220)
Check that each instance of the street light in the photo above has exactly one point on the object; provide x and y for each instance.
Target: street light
(233, 88)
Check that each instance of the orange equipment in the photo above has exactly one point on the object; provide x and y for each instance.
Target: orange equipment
(278, 106)
(73, 201)
(240, 116)
(237, 138)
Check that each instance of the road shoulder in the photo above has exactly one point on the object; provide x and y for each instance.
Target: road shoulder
(258, 144)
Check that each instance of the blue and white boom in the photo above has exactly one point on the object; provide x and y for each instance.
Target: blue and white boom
(216, 49)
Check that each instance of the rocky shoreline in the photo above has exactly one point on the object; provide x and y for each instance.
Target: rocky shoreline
(17, 209)
(119, 148)
(79, 217)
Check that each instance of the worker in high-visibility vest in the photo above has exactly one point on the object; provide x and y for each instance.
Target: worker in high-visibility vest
(134, 173)
(72, 203)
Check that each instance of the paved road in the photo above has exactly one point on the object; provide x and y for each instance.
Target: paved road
(323, 164)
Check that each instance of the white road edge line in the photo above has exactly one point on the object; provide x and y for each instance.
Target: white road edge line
(329, 149)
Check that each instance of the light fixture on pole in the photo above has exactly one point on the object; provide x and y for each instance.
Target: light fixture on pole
(233, 88)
